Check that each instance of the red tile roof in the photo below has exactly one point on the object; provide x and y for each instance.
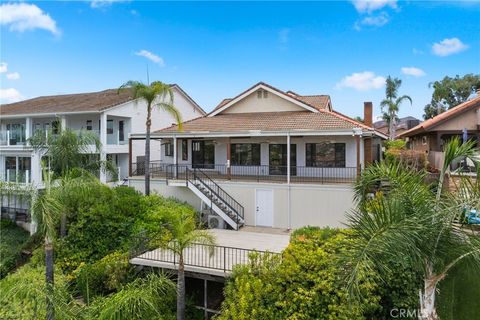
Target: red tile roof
(442, 117)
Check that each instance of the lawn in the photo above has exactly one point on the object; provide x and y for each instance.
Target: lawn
(459, 297)
(12, 241)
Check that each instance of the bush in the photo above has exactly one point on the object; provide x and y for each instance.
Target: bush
(13, 240)
(104, 276)
(305, 284)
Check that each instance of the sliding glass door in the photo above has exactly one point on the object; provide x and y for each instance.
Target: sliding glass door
(278, 159)
(203, 154)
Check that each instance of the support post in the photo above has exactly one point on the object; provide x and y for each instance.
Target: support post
(103, 140)
(357, 141)
(28, 128)
(129, 157)
(288, 181)
(175, 160)
(229, 152)
(288, 157)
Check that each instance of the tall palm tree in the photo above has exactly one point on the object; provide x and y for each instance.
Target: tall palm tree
(183, 234)
(405, 218)
(157, 94)
(47, 210)
(392, 104)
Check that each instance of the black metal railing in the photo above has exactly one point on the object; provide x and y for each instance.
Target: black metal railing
(216, 194)
(260, 173)
(157, 168)
(203, 256)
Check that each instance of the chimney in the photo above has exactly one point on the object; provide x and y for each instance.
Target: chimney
(478, 92)
(368, 114)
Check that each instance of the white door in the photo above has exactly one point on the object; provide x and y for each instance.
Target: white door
(264, 207)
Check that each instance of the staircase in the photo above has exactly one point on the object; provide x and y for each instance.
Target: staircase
(215, 197)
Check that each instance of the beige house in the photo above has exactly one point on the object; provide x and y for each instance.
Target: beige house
(264, 158)
(431, 135)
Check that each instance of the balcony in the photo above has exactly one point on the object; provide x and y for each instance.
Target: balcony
(261, 173)
(13, 138)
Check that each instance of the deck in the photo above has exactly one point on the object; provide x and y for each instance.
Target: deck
(232, 248)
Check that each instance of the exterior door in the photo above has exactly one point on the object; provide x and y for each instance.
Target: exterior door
(203, 154)
(264, 207)
(278, 159)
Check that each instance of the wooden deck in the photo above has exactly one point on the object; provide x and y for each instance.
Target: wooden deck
(233, 248)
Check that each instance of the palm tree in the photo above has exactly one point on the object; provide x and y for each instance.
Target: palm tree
(406, 218)
(47, 210)
(392, 104)
(157, 94)
(183, 234)
(70, 158)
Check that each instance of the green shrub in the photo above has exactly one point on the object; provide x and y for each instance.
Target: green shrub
(13, 240)
(104, 276)
(305, 284)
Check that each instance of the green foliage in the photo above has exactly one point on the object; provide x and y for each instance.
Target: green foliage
(393, 149)
(104, 276)
(23, 296)
(450, 92)
(305, 284)
(12, 242)
(152, 297)
(391, 104)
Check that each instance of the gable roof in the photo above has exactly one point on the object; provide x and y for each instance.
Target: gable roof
(79, 102)
(430, 124)
(312, 103)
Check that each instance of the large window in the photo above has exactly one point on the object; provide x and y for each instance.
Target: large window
(17, 169)
(325, 154)
(245, 154)
(203, 154)
(168, 149)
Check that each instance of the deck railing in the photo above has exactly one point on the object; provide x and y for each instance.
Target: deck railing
(261, 173)
(202, 256)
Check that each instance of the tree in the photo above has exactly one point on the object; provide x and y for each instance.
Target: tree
(391, 104)
(47, 210)
(450, 92)
(406, 220)
(182, 235)
(157, 94)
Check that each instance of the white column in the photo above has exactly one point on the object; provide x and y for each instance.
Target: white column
(103, 140)
(175, 161)
(28, 128)
(288, 158)
(288, 182)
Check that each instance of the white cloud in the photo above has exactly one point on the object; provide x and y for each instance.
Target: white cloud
(98, 4)
(412, 71)
(22, 17)
(447, 47)
(10, 95)
(362, 81)
(377, 21)
(368, 6)
(151, 56)
(13, 76)
(3, 67)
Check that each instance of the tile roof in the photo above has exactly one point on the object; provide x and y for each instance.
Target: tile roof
(319, 102)
(442, 117)
(268, 121)
(80, 102)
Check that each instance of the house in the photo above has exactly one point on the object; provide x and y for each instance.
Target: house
(431, 135)
(402, 125)
(264, 158)
(110, 114)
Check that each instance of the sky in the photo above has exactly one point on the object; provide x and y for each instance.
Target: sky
(216, 50)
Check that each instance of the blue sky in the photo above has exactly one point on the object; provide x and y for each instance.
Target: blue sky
(216, 50)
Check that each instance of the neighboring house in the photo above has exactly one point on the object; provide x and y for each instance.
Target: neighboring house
(110, 114)
(265, 158)
(431, 135)
(402, 125)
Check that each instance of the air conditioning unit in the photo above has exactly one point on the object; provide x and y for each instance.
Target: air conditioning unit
(215, 222)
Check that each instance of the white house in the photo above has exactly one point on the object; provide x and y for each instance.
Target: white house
(265, 158)
(109, 114)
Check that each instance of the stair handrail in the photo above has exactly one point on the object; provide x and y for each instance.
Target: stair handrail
(226, 198)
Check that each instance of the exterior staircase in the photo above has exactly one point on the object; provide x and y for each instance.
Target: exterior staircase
(215, 197)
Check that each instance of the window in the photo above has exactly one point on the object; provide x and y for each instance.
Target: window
(89, 125)
(121, 130)
(168, 149)
(325, 154)
(424, 140)
(17, 169)
(245, 154)
(203, 154)
(56, 126)
(109, 126)
(185, 149)
(262, 94)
